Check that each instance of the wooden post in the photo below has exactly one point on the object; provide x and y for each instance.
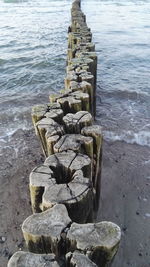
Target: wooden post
(28, 259)
(79, 76)
(46, 128)
(59, 169)
(83, 60)
(85, 87)
(77, 259)
(42, 231)
(51, 110)
(72, 102)
(73, 123)
(77, 196)
(99, 241)
(65, 163)
(95, 131)
(39, 178)
(77, 143)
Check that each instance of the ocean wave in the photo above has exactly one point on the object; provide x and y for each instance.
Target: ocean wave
(11, 131)
(125, 94)
(141, 138)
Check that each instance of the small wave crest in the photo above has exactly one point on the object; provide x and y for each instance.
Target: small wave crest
(141, 138)
(125, 94)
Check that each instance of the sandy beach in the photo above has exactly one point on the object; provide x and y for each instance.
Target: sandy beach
(124, 196)
(125, 200)
(14, 190)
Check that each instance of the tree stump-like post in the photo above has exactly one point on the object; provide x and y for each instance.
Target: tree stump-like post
(51, 141)
(71, 76)
(46, 128)
(73, 123)
(68, 103)
(79, 75)
(43, 231)
(77, 196)
(85, 87)
(77, 259)
(89, 47)
(39, 178)
(28, 259)
(72, 102)
(50, 110)
(59, 169)
(99, 241)
(82, 47)
(93, 56)
(84, 97)
(96, 133)
(75, 142)
(65, 163)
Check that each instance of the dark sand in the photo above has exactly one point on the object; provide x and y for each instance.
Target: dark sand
(15, 166)
(124, 198)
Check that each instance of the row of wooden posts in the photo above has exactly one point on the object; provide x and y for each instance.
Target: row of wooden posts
(65, 189)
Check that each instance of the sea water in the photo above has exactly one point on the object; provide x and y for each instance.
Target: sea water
(121, 31)
(33, 45)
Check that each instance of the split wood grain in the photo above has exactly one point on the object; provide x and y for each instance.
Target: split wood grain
(28, 259)
(42, 231)
(99, 241)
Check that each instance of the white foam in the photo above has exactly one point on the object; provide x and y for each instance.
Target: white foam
(9, 132)
(141, 138)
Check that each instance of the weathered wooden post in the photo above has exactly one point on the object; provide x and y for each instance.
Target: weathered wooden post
(46, 128)
(28, 259)
(43, 231)
(77, 259)
(77, 143)
(40, 177)
(60, 175)
(95, 132)
(72, 101)
(65, 189)
(77, 196)
(49, 110)
(73, 123)
(99, 241)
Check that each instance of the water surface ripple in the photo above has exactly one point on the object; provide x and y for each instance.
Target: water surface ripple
(33, 43)
(121, 31)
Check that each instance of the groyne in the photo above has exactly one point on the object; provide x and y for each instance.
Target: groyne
(65, 189)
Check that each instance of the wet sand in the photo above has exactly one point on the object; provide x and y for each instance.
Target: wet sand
(125, 200)
(15, 166)
(124, 197)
